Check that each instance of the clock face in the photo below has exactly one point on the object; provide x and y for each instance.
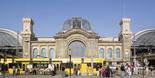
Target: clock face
(26, 27)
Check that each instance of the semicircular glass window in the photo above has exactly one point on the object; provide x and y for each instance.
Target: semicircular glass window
(101, 53)
(51, 53)
(35, 53)
(118, 51)
(43, 53)
(77, 49)
(110, 53)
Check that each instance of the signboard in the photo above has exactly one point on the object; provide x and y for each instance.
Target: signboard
(29, 66)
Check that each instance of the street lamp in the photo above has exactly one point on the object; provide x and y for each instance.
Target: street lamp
(92, 65)
(142, 60)
(70, 61)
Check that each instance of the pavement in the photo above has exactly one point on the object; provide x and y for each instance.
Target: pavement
(73, 76)
(59, 76)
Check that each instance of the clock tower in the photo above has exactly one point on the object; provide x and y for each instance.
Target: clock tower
(27, 35)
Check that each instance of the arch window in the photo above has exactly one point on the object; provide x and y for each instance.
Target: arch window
(77, 49)
(118, 52)
(101, 52)
(110, 53)
(43, 53)
(35, 53)
(51, 53)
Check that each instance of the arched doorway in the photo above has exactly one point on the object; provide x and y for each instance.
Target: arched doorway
(77, 49)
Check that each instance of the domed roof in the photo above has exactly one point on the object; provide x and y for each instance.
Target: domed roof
(76, 22)
(9, 38)
(145, 37)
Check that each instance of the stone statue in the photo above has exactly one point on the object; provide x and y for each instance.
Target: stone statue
(76, 23)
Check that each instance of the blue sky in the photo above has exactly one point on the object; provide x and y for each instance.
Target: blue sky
(104, 15)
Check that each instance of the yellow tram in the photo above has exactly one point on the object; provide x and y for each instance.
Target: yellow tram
(23, 63)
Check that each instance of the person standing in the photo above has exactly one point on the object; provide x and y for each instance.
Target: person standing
(51, 68)
(14, 70)
(129, 70)
(151, 69)
(63, 73)
(122, 71)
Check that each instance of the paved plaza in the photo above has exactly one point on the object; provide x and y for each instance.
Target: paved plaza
(59, 76)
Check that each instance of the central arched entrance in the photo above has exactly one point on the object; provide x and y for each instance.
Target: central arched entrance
(77, 49)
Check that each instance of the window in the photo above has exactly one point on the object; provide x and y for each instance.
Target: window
(110, 53)
(118, 52)
(51, 53)
(77, 49)
(43, 53)
(35, 52)
(101, 52)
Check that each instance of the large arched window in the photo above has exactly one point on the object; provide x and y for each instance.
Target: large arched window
(43, 52)
(101, 53)
(35, 52)
(118, 52)
(51, 53)
(77, 49)
(110, 53)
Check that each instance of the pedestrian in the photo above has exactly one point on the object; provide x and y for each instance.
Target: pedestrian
(108, 72)
(123, 72)
(75, 69)
(97, 70)
(151, 69)
(18, 70)
(14, 70)
(129, 70)
(63, 72)
(78, 69)
(51, 68)
(103, 72)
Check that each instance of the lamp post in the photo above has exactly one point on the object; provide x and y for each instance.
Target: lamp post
(142, 59)
(70, 61)
(92, 65)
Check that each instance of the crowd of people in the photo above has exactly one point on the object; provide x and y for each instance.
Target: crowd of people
(124, 70)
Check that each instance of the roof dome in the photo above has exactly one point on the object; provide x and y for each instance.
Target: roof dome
(9, 38)
(76, 22)
(145, 37)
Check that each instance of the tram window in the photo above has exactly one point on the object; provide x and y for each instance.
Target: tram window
(57, 66)
(6, 66)
(11, 65)
(40, 65)
(3, 67)
(74, 65)
(23, 67)
(0, 66)
(88, 64)
(34, 65)
(18, 65)
(97, 65)
(69, 65)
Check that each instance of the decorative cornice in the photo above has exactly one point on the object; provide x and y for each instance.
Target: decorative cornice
(76, 31)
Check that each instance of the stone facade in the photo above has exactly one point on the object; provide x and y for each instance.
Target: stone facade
(77, 37)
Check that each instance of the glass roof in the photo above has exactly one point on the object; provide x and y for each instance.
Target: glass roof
(7, 39)
(76, 22)
(147, 39)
